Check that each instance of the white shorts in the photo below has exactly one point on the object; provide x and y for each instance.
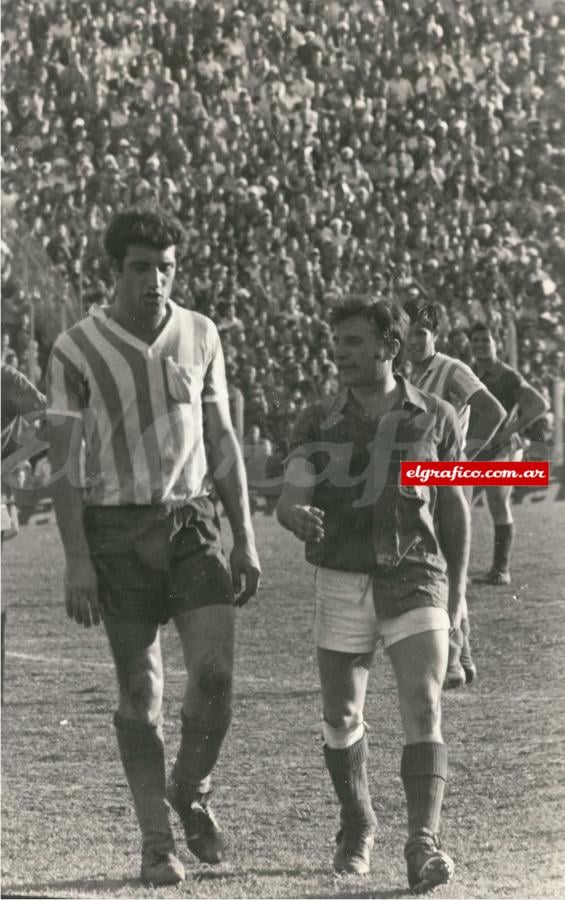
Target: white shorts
(345, 617)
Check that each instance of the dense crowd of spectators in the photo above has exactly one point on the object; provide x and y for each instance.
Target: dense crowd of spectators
(311, 149)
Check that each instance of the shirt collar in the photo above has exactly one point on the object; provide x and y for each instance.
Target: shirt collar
(409, 395)
(434, 362)
(101, 313)
(102, 310)
(491, 368)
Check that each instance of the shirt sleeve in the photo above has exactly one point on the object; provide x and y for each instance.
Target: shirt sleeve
(462, 383)
(66, 385)
(450, 448)
(19, 395)
(304, 431)
(20, 398)
(215, 388)
(512, 383)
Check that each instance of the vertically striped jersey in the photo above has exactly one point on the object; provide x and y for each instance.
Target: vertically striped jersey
(140, 404)
(452, 380)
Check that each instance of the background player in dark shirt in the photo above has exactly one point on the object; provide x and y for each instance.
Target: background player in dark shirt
(523, 405)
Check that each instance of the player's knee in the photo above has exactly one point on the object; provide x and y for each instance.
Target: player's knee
(426, 711)
(500, 508)
(143, 696)
(215, 682)
(345, 718)
(342, 736)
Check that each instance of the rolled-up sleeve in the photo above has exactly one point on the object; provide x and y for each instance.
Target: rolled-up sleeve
(450, 448)
(215, 389)
(66, 384)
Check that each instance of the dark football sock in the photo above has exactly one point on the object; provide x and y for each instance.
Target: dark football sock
(503, 539)
(424, 773)
(198, 753)
(143, 757)
(348, 772)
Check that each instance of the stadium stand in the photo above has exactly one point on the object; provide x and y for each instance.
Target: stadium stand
(311, 149)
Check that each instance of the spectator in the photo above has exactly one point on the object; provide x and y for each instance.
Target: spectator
(290, 154)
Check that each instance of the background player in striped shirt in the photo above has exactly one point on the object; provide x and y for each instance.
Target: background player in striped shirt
(140, 386)
(479, 413)
(524, 406)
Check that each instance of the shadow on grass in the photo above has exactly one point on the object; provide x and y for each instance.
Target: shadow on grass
(270, 695)
(106, 887)
(341, 887)
(218, 874)
(374, 892)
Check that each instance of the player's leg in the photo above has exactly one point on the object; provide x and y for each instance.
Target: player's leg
(500, 508)
(207, 637)
(420, 661)
(344, 678)
(461, 669)
(130, 592)
(137, 656)
(346, 631)
(202, 606)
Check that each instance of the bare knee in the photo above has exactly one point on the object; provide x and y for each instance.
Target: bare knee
(345, 716)
(142, 696)
(422, 714)
(499, 505)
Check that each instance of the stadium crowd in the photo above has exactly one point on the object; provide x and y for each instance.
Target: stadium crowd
(311, 150)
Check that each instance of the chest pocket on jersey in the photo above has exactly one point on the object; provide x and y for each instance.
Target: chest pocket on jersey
(184, 383)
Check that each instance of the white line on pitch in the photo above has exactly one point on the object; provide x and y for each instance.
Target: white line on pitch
(58, 660)
(64, 660)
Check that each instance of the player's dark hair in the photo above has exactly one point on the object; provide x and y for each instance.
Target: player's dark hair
(152, 227)
(390, 320)
(428, 315)
(480, 326)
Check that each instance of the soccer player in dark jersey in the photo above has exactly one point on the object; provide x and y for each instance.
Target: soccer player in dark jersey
(141, 383)
(390, 562)
(523, 405)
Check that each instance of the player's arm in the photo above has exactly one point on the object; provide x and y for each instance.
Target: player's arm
(227, 469)
(486, 415)
(453, 520)
(64, 434)
(454, 528)
(531, 406)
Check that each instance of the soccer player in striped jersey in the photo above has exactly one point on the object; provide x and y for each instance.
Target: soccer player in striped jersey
(137, 390)
(479, 413)
(524, 406)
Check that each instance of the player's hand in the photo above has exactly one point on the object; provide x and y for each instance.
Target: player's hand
(245, 565)
(455, 608)
(81, 591)
(307, 522)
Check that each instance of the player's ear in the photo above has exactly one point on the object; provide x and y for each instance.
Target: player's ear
(395, 347)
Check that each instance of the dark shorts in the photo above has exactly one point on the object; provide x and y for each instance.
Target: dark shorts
(153, 563)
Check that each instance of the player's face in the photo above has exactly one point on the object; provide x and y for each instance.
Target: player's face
(421, 343)
(362, 356)
(145, 283)
(483, 346)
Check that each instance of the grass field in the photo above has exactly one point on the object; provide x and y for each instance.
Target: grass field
(68, 828)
